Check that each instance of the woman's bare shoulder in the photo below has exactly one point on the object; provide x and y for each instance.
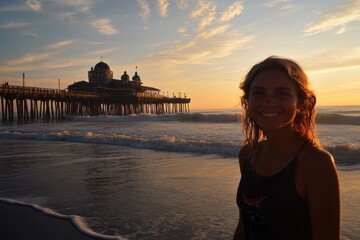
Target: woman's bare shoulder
(315, 161)
(244, 152)
(315, 155)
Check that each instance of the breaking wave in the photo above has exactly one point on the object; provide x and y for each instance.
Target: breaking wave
(321, 118)
(193, 117)
(337, 119)
(345, 154)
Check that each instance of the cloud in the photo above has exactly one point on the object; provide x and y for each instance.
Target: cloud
(182, 30)
(29, 33)
(67, 10)
(14, 8)
(207, 20)
(163, 7)
(13, 25)
(104, 26)
(332, 59)
(206, 10)
(44, 60)
(144, 10)
(202, 7)
(290, 7)
(282, 4)
(29, 58)
(212, 40)
(273, 3)
(80, 5)
(61, 44)
(341, 30)
(62, 63)
(46, 65)
(67, 16)
(214, 31)
(215, 43)
(35, 5)
(232, 11)
(103, 51)
(339, 18)
(182, 4)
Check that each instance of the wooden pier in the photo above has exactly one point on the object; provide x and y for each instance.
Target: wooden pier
(30, 103)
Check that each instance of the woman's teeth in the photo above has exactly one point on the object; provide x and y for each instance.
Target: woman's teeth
(270, 115)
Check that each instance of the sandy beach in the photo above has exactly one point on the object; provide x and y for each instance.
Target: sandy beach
(22, 221)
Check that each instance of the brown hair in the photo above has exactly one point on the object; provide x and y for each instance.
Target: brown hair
(304, 122)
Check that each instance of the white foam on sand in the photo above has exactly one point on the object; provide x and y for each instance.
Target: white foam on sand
(76, 223)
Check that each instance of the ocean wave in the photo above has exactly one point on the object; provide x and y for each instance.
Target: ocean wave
(322, 118)
(344, 154)
(162, 142)
(337, 119)
(193, 117)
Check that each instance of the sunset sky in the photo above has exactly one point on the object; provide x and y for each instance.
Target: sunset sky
(202, 48)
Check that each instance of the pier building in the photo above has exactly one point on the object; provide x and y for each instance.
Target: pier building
(101, 95)
(101, 81)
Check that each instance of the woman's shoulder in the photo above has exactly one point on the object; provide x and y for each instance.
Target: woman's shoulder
(245, 151)
(315, 155)
(244, 155)
(315, 161)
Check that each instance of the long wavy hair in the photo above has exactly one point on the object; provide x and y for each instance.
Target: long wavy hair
(304, 122)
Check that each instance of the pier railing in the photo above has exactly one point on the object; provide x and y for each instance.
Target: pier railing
(27, 103)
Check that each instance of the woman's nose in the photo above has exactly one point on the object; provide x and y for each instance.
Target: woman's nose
(270, 99)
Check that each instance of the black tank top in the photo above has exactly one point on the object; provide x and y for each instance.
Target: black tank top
(271, 207)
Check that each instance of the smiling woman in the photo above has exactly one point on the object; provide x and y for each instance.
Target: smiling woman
(289, 187)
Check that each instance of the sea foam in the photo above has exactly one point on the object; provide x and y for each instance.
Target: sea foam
(77, 221)
(321, 118)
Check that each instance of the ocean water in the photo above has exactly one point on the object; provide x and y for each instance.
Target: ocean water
(155, 177)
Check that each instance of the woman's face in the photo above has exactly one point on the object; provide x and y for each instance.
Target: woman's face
(273, 100)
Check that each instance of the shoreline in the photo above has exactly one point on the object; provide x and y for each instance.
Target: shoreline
(20, 220)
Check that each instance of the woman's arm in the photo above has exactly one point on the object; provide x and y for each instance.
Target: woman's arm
(239, 232)
(322, 192)
(243, 155)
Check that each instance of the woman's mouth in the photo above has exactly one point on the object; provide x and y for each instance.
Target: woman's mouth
(269, 114)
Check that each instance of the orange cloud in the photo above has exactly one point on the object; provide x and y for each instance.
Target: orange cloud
(345, 14)
(104, 26)
(163, 7)
(232, 11)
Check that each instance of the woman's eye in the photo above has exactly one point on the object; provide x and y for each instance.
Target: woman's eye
(257, 93)
(284, 94)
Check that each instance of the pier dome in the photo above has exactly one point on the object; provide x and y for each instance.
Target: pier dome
(101, 73)
(136, 78)
(101, 66)
(125, 77)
